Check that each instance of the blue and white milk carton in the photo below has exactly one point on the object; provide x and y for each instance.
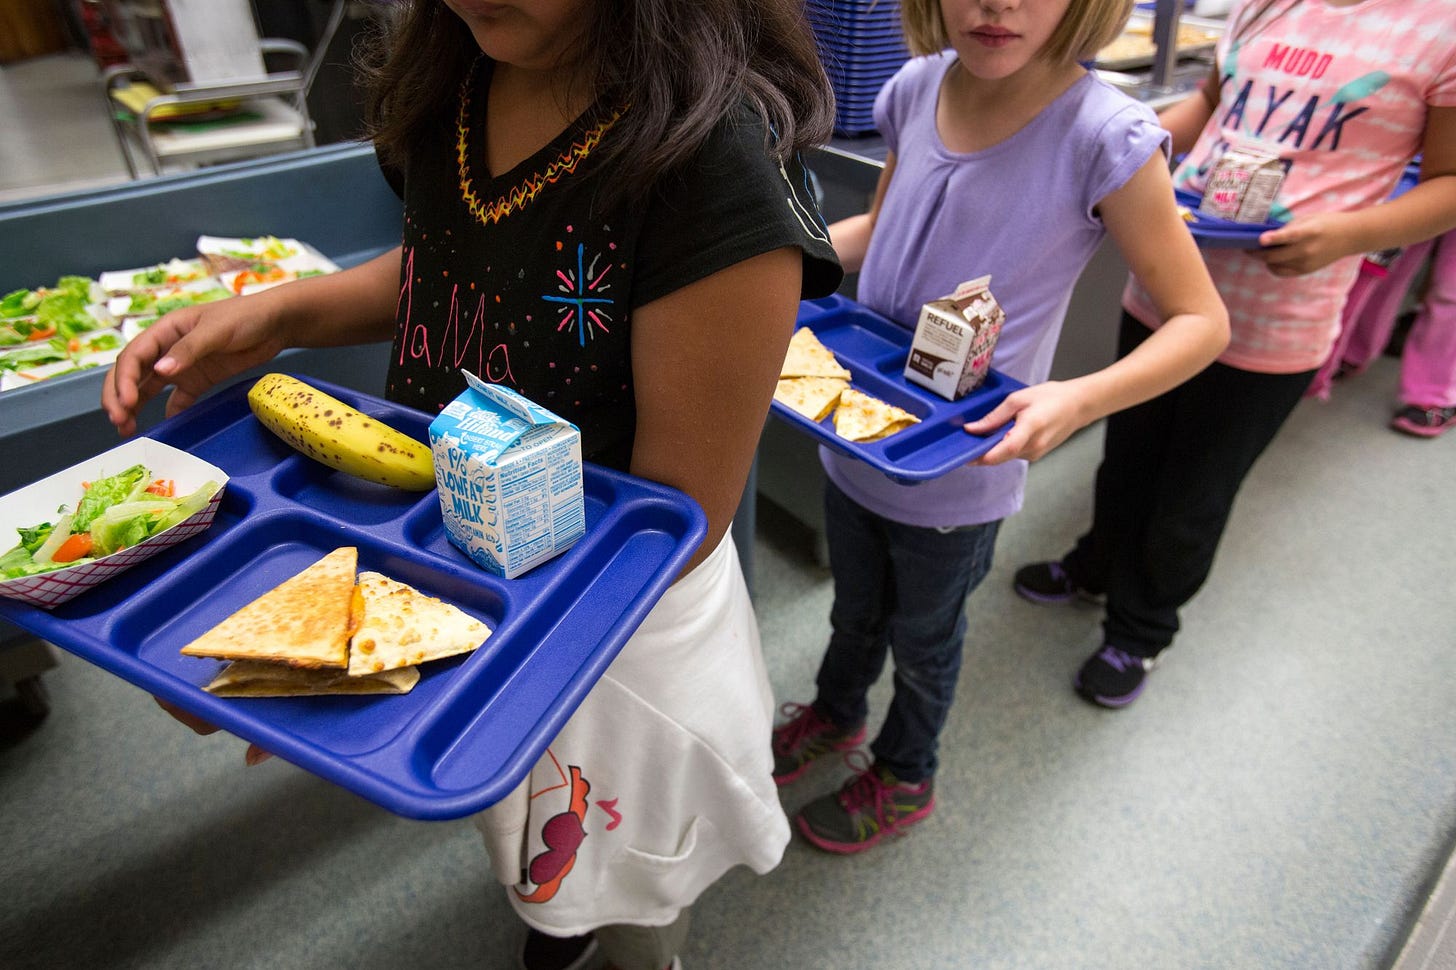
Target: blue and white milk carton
(509, 477)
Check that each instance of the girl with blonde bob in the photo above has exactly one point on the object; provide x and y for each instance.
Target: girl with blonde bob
(1006, 158)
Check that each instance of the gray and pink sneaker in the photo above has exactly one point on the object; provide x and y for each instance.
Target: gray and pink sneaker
(806, 737)
(871, 805)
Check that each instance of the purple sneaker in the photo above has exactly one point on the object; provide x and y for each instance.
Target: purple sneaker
(1047, 583)
(1112, 677)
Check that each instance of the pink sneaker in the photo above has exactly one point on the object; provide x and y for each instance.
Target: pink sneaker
(806, 736)
(870, 806)
(1423, 422)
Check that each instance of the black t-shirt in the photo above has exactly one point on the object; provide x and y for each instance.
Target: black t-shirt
(523, 281)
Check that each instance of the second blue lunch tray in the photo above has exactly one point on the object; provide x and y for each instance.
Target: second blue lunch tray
(875, 349)
(473, 726)
(1213, 233)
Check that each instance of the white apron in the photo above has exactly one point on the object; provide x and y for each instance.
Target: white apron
(661, 781)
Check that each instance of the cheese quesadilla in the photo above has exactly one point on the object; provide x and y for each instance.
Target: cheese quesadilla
(813, 397)
(861, 417)
(403, 626)
(305, 621)
(254, 678)
(807, 357)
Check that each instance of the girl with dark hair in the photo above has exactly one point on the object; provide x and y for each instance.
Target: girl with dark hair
(605, 210)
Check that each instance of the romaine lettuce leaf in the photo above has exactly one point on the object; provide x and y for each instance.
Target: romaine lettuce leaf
(106, 492)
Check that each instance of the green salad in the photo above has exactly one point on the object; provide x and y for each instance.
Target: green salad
(115, 513)
(55, 311)
(55, 349)
(156, 304)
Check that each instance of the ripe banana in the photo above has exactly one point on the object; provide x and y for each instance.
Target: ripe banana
(330, 431)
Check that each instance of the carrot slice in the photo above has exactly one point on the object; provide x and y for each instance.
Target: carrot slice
(77, 545)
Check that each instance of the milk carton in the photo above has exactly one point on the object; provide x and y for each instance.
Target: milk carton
(509, 477)
(1243, 185)
(954, 337)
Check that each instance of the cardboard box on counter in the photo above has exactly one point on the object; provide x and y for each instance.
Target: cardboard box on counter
(510, 478)
(954, 337)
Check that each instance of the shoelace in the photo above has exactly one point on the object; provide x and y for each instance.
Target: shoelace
(1439, 416)
(869, 791)
(803, 723)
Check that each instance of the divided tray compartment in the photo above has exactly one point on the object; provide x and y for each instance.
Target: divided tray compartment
(473, 726)
(875, 349)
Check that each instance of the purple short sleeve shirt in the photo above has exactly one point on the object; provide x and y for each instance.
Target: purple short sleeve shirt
(1022, 211)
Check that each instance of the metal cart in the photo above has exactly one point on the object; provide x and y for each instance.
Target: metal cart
(275, 115)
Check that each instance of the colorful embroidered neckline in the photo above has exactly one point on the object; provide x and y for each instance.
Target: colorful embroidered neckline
(519, 195)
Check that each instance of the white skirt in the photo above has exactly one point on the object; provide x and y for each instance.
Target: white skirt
(661, 781)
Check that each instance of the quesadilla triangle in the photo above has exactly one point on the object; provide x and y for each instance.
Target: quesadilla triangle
(813, 397)
(861, 417)
(403, 627)
(305, 621)
(807, 357)
(257, 678)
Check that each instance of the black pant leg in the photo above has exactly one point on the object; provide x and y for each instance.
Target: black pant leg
(1133, 450)
(1215, 427)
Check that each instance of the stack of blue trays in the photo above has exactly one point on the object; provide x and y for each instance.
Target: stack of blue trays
(861, 45)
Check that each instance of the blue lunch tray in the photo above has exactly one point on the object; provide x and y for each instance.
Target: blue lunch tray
(473, 726)
(1214, 233)
(875, 349)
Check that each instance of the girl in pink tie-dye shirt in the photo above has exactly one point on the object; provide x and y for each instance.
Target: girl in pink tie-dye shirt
(1345, 92)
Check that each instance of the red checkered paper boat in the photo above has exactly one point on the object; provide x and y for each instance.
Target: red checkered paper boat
(38, 502)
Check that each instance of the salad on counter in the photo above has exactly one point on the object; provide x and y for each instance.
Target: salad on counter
(69, 308)
(114, 513)
(80, 324)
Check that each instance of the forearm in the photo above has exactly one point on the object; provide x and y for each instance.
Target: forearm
(1426, 211)
(851, 240)
(354, 306)
(1184, 345)
(1185, 119)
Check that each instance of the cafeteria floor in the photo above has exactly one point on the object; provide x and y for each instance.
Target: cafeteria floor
(1282, 796)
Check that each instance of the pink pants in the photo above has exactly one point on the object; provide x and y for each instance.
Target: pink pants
(1428, 362)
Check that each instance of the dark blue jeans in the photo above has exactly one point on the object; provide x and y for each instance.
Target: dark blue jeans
(899, 590)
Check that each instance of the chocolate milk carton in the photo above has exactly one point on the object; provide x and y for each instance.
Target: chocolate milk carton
(954, 337)
(509, 478)
(1243, 185)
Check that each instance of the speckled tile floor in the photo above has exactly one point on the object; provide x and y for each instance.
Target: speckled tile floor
(1283, 796)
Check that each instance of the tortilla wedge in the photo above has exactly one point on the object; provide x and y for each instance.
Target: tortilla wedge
(861, 417)
(807, 357)
(254, 678)
(403, 627)
(813, 397)
(305, 621)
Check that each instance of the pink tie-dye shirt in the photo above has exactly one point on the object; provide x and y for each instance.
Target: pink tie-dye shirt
(1341, 94)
